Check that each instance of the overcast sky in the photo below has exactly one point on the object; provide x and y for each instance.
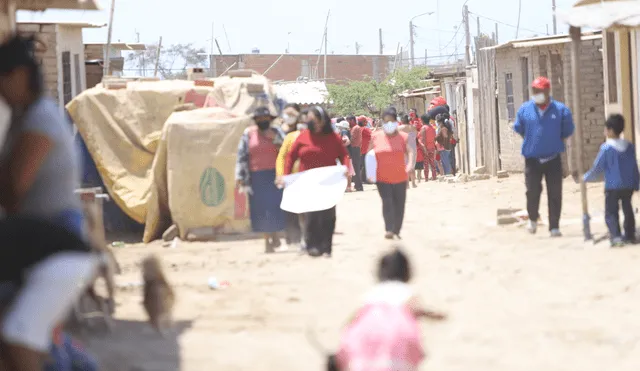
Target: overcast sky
(272, 25)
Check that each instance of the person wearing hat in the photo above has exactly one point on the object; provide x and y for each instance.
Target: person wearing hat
(256, 173)
(544, 125)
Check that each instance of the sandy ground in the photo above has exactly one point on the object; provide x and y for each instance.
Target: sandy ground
(516, 301)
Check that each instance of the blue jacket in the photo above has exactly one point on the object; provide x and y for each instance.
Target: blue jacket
(617, 160)
(543, 135)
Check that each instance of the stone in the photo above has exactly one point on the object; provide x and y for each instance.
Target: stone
(475, 177)
(171, 233)
(503, 174)
(479, 170)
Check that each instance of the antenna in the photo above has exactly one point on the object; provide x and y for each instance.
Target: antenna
(226, 37)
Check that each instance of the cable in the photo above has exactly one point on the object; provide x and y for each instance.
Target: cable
(434, 29)
(507, 24)
(519, 14)
(453, 38)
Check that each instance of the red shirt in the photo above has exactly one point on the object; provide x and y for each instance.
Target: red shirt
(390, 151)
(356, 136)
(427, 137)
(262, 152)
(315, 150)
(366, 140)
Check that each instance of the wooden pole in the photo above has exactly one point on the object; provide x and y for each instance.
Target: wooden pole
(467, 33)
(107, 54)
(395, 60)
(555, 22)
(576, 39)
(155, 71)
(497, 39)
(381, 45)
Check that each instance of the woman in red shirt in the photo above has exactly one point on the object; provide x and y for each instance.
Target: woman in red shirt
(390, 147)
(317, 147)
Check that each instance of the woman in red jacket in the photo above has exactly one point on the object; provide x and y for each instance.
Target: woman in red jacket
(317, 147)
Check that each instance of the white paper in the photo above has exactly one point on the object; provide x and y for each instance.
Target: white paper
(371, 166)
(314, 190)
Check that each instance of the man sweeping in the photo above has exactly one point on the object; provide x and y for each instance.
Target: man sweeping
(544, 124)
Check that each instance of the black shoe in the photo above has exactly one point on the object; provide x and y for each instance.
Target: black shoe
(314, 252)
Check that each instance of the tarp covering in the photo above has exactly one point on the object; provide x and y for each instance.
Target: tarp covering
(194, 178)
(122, 130)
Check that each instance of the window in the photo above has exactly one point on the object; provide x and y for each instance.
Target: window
(67, 94)
(511, 109)
(542, 63)
(557, 77)
(612, 76)
(524, 68)
(76, 69)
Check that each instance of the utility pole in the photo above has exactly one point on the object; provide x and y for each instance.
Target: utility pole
(155, 72)
(467, 33)
(357, 48)
(381, 45)
(478, 25)
(425, 57)
(411, 42)
(555, 23)
(326, 27)
(497, 39)
(107, 50)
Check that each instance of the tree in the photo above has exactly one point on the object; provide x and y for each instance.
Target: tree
(371, 97)
(174, 59)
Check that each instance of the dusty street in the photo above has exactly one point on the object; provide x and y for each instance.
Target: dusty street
(516, 302)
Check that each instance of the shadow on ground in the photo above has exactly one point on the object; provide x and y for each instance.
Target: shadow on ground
(151, 351)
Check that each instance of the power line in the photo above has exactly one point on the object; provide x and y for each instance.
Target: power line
(453, 38)
(506, 24)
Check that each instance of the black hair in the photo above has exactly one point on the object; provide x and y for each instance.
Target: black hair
(405, 119)
(351, 118)
(295, 106)
(19, 51)
(447, 107)
(425, 118)
(339, 119)
(440, 118)
(324, 119)
(391, 112)
(394, 266)
(413, 109)
(615, 122)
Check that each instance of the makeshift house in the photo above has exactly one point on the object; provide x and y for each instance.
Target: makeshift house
(304, 93)
(95, 53)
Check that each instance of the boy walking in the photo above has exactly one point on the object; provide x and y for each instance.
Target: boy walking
(617, 160)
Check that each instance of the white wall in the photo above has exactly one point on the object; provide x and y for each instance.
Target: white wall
(70, 40)
(472, 83)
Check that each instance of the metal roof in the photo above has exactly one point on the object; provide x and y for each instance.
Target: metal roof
(41, 5)
(602, 14)
(67, 23)
(542, 41)
(121, 46)
(311, 92)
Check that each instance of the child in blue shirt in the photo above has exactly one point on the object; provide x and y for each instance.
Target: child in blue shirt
(617, 160)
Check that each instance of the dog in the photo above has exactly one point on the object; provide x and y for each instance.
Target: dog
(159, 297)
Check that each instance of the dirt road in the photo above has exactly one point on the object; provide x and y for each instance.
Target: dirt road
(516, 302)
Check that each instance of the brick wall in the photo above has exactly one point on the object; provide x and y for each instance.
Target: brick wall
(292, 66)
(553, 61)
(47, 34)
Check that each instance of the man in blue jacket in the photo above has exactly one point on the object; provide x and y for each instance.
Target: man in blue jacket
(544, 124)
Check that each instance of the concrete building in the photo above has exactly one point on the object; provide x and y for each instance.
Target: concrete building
(518, 62)
(8, 9)
(94, 54)
(62, 56)
(289, 67)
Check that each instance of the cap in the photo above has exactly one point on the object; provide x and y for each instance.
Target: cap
(362, 119)
(541, 83)
(262, 111)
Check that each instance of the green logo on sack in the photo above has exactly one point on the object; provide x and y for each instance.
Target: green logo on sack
(212, 187)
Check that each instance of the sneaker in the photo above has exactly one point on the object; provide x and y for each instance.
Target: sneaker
(389, 236)
(555, 233)
(532, 227)
(617, 242)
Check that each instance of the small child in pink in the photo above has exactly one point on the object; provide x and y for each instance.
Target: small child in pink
(384, 335)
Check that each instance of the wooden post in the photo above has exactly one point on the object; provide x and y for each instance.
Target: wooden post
(576, 38)
(107, 57)
(155, 71)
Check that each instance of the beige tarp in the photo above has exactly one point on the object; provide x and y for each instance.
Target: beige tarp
(194, 177)
(122, 131)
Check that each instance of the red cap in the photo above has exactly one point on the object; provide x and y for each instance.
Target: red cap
(362, 119)
(541, 83)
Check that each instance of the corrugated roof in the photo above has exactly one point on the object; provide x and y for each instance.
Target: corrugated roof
(602, 15)
(311, 92)
(544, 40)
(40, 5)
(121, 46)
(67, 23)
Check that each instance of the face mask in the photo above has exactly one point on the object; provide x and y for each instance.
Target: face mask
(301, 126)
(539, 98)
(311, 125)
(263, 125)
(390, 127)
(289, 119)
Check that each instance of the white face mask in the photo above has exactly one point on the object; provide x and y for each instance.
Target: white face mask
(539, 98)
(289, 119)
(390, 127)
(301, 126)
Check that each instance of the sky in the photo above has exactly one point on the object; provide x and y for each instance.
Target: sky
(274, 25)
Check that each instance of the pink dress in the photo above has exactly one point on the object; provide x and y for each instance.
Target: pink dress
(385, 336)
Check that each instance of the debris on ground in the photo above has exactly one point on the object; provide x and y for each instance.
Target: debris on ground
(503, 174)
